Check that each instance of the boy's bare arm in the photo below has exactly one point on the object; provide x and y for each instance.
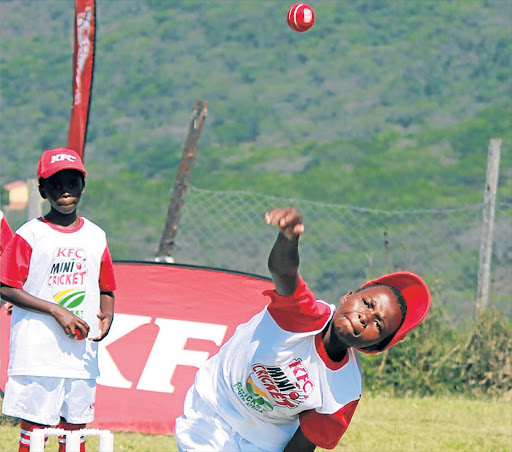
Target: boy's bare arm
(283, 261)
(67, 320)
(106, 314)
(299, 443)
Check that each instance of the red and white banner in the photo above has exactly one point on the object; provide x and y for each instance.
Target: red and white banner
(83, 64)
(169, 320)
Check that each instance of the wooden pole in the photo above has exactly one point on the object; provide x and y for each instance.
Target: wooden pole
(485, 254)
(164, 253)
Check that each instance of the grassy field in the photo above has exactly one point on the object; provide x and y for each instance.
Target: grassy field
(379, 424)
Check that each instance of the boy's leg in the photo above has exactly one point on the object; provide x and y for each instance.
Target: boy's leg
(70, 427)
(78, 407)
(200, 428)
(26, 428)
(35, 401)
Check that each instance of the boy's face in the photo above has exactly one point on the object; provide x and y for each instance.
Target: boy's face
(63, 190)
(366, 317)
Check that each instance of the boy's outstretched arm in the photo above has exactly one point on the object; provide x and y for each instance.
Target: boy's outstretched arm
(283, 261)
(299, 443)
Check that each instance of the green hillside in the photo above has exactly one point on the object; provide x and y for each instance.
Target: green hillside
(387, 104)
(376, 122)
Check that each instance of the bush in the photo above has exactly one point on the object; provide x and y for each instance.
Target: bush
(438, 358)
(485, 359)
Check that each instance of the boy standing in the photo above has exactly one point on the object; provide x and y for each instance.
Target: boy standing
(58, 274)
(289, 379)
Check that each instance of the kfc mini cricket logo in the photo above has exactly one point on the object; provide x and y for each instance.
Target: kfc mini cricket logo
(67, 278)
(287, 385)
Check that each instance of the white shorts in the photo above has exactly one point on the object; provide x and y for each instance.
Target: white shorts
(44, 400)
(200, 428)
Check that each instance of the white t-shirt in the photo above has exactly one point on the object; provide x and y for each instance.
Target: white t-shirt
(274, 371)
(68, 267)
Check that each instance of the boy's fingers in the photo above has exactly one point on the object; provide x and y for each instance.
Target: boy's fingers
(104, 331)
(271, 217)
(283, 217)
(83, 325)
(293, 230)
(298, 229)
(79, 334)
(289, 220)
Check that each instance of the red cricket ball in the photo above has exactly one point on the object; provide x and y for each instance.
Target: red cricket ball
(300, 17)
(78, 334)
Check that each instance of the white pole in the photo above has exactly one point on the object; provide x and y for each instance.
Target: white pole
(73, 441)
(37, 440)
(106, 441)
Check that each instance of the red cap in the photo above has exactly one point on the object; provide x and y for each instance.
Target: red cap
(58, 159)
(417, 299)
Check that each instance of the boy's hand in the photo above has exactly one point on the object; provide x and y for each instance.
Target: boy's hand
(106, 323)
(288, 219)
(70, 322)
(8, 308)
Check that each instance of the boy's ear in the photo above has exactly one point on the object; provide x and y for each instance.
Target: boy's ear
(345, 297)
(41, 191)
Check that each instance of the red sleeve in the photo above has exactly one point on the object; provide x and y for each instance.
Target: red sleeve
(107, 280)
(299, 312)
(326, 430)
(5, 234)
(15, 262)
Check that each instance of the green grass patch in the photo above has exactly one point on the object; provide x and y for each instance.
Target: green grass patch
(380, 423)
(429, 424)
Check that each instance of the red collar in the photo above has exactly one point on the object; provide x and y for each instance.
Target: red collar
(333, 365)
(60, 229)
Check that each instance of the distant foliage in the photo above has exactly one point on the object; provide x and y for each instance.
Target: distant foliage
(439, 358)
(4, 196)
(365, 68)
(486, 358)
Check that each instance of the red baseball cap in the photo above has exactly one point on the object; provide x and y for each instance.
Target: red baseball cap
(58, 159)
(417, 299)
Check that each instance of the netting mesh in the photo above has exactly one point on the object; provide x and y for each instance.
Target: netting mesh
(344, 245)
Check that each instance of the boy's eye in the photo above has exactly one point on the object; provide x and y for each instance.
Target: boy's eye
(366, 302)
(379, 326)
